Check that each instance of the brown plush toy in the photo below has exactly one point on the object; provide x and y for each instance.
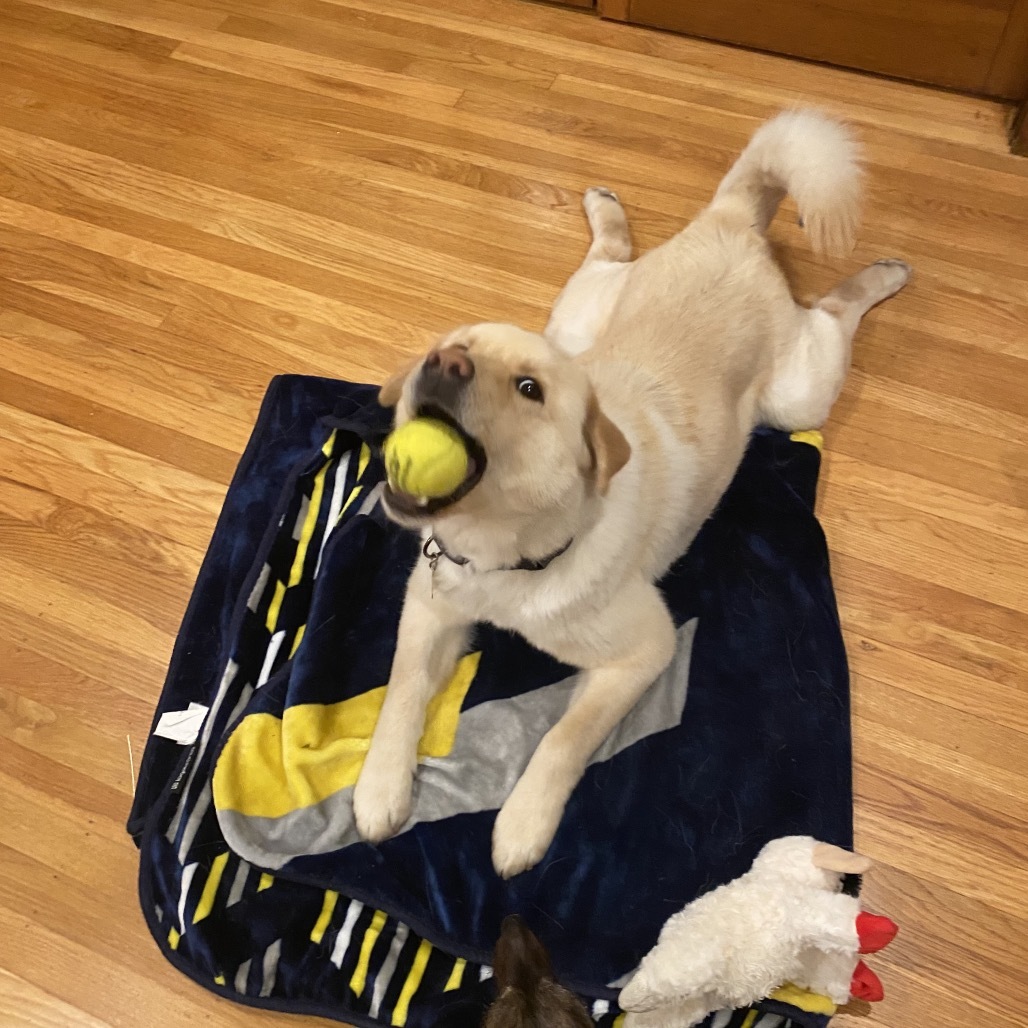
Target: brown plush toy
(529, 996)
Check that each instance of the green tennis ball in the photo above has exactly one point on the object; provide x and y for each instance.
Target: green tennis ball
(426, 458)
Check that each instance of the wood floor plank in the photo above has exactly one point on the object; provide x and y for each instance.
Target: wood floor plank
(258, 226)
(909, 820)
(142, 376)
(992, 791)
(113, 480)
(49, 598)
(79, 652)
(98, 555)
(69, 35)
(94, 702)
(72, 410)
(1005, 520)
(277, 243)
(196, 195)
(931, 681)
(905, 536)
(936, 440)
(23, 1003)
(81, 835)
(981, 744)
(387, 177)
(180, 263)
(329, 125)
(896, 607)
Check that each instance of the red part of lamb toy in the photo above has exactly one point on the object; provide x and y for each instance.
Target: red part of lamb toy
(874, 932)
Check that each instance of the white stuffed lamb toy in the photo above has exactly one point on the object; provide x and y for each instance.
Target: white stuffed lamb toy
(785, 921)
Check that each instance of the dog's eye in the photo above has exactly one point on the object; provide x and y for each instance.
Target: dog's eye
(529, 388)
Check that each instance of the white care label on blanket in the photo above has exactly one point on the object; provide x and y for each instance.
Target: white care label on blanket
(182, 726)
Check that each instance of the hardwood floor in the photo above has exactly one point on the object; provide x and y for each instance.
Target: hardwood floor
(197, 195)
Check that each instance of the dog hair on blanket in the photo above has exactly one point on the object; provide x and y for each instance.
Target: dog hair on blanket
(785, 920)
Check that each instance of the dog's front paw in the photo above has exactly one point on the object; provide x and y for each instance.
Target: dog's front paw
(524, 829)
(382, 801)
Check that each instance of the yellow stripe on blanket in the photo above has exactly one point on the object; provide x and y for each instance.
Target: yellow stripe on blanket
(299, 639)
(313, 508)
(329, 904)
(354, 493)
(270, 766)
(410, 986)
(275, 606)
(210, 888)
(812, 437)
(456, 975)
(360, 972)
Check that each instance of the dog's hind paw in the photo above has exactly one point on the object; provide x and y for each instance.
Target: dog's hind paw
(895, 274)
(596, 196)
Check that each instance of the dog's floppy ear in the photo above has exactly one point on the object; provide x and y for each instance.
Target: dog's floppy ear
(389, 394)
(608, 448)
(833, 858)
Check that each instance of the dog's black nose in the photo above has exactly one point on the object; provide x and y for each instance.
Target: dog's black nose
(450, 362)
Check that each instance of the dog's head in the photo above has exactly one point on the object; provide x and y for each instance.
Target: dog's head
(529, 997)
(531, 423)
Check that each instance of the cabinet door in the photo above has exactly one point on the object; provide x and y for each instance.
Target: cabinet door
(979, 46)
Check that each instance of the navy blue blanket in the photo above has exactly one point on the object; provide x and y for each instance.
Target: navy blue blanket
(252, 878)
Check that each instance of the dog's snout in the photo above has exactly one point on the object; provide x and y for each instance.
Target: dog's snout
(451, 362)
(445, 376)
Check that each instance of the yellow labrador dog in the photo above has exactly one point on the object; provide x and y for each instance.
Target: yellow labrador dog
(600, 448)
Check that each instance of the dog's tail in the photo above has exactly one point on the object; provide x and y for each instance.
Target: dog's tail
(815, 160)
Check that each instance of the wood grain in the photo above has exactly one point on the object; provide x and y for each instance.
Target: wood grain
(196, 196)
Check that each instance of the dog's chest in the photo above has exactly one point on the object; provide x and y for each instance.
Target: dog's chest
(507, 599)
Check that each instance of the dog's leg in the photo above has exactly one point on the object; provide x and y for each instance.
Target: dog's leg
(585, 303)
(853, 297)
(431, 638)
(641, 627)
(609, 223)
(810, 376)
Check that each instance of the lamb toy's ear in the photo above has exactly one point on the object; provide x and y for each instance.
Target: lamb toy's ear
(833, 858)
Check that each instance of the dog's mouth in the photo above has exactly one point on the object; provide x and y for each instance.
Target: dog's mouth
(417, 507)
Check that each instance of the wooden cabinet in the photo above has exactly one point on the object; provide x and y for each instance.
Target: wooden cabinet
(979, 46)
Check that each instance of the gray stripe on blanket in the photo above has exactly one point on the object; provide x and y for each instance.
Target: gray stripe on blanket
(493, 744)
